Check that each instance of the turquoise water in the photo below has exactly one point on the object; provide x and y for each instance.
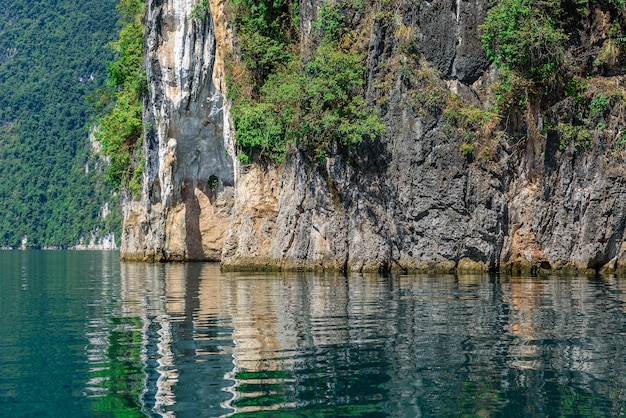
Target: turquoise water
(82, 335)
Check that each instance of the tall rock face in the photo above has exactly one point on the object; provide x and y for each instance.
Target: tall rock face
(184, 208)
(409, 200)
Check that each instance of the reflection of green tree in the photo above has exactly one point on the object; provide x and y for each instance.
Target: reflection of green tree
(122, 374)
(338, 381)
(479, 399)
(575, 403)
(374, 410)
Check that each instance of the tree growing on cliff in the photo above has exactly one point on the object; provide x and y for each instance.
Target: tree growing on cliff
(523, 38)
(309, 104)
(120, 129)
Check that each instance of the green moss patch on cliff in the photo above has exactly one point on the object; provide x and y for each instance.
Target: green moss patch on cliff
(525, 37)
(594, 114)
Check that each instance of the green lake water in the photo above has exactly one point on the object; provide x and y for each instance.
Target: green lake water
(83, 335)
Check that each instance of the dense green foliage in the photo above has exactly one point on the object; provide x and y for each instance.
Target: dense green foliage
(120, 129)
(200, 9)
(267, 35)
(52, 56)
(523, 36)
(281, 100)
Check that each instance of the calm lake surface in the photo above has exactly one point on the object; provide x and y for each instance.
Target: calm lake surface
(82, 335)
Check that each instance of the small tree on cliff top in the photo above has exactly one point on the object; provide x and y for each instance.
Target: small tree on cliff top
(523, 36)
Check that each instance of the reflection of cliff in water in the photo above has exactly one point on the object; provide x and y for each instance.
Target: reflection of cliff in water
(185, 361)
(217, 344)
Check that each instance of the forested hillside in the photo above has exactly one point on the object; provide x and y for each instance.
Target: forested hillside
(53, 58)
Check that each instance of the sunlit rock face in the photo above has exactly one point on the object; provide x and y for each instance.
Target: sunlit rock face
(189, 174)
(406, 201)
(409, 200)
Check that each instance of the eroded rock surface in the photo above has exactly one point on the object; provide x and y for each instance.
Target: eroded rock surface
(409, 200)
(189, 173)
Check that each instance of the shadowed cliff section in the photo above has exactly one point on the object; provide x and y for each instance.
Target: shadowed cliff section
(450, 184)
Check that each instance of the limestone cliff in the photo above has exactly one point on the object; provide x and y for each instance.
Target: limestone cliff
(184, 207)
(409, 200)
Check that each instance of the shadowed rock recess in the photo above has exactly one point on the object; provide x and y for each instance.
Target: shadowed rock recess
(412, 199)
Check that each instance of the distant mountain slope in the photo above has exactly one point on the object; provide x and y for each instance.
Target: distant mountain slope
(53, 56)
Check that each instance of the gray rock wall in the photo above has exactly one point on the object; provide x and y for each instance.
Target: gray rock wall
(409, 200)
